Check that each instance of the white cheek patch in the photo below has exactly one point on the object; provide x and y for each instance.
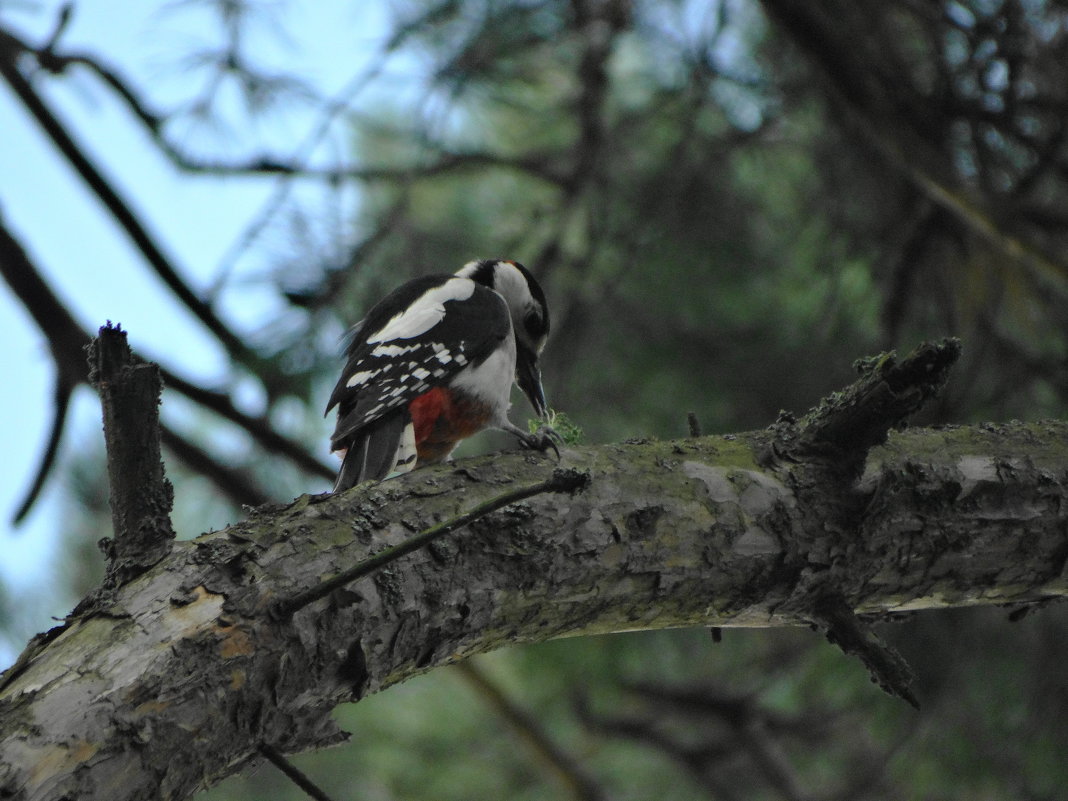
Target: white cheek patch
(424, 312)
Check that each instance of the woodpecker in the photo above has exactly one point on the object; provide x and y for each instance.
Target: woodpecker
(432, 363)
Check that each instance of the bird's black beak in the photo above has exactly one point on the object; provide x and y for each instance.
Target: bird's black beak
(528, 376)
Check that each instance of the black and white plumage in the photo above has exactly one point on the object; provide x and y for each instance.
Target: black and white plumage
(433, 363)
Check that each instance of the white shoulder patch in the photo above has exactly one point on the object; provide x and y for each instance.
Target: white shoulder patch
(424, 312)
(362, 377)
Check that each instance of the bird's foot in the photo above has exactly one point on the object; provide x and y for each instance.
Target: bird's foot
(541, 440)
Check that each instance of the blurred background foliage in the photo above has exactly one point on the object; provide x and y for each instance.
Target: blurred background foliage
(728, 202)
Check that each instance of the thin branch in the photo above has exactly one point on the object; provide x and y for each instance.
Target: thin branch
(116, 205)
(905, 257)
(67, 341)
(750, 725)
(447, 162)
(293, 773)
(971, 213)
(61, 396)
(580, 783)
(875, 116)
(734, 708)
(235, 484)
(700, 760)
(562, 480)
(844, 629)
(330, 111)
(63, 18)
(265, 436)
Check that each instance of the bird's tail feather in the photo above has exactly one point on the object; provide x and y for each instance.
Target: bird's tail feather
(386, 446)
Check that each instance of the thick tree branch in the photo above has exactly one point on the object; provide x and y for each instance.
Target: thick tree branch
(830, 446)
(191, 657)
(570, 481)
(188, 661)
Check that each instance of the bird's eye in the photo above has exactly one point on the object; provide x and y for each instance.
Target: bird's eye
(532, 322)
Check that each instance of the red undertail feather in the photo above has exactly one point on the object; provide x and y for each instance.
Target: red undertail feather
(442, 417)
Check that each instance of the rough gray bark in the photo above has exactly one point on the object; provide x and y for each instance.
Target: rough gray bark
(186, 673)
(173, 687)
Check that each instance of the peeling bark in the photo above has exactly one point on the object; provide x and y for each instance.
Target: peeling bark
(177, 683)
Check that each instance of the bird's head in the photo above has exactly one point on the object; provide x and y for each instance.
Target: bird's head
(530, 318)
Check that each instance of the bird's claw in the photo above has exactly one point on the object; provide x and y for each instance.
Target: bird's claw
(544, 438)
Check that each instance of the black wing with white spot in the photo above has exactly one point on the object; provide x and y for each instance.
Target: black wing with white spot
(417, 337)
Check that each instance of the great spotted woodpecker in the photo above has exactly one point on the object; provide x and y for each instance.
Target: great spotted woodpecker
(433, 363)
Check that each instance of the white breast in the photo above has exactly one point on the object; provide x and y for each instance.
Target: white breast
(491, 381)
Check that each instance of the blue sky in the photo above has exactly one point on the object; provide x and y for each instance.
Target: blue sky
(89, 261)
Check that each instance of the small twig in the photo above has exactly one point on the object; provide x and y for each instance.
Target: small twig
(582, 786)
(63, 19)
(295, 775)
(562, 480)
(694, 424)
(842, 627)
